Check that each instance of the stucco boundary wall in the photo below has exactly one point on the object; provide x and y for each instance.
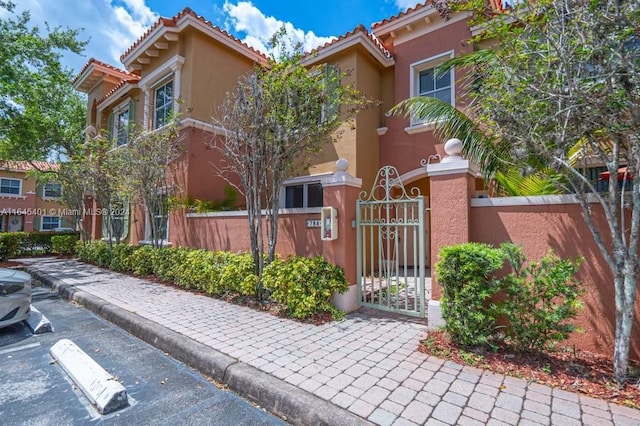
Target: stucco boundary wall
(299, 232)
(556, 223)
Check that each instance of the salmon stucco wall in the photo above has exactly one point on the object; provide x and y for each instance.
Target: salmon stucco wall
(397, 147)
(230, 232)
(561, 228)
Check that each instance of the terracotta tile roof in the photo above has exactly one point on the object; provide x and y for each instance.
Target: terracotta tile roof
(118, 86)
(102, 64)
(172, 22)
(401, 14)
(359, 29)
(25, 166)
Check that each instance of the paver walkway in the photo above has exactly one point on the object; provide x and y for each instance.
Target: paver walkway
(367, 363)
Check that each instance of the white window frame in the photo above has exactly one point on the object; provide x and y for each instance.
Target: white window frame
(171, 69)
(44, 191)
(147, 228)
(51, 229)
(126, 223)
(414, 86)
(10, 194)
(305, 181)
(170, 104)
(115, 130)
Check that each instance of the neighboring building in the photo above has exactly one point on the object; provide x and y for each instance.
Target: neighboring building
(28, 205)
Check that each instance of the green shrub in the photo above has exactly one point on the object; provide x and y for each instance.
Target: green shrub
(197, 270)
(142, 260)
(64, 244)
(236, 273)
(8, 246)
(167, 262)
(465, 272)
(33, 243)
(305, 285)
(122, 257)
(535, 301)
(540, 299)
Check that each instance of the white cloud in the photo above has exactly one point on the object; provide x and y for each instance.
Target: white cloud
(110, 28)
(246, 18)
(405, 4)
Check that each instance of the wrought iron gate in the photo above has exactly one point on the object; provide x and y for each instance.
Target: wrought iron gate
(391, 246)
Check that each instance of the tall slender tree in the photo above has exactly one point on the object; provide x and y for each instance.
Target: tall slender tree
(560, 89)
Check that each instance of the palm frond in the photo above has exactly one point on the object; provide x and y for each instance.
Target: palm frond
(449, 122)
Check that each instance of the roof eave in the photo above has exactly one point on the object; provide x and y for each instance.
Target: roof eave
(403, 21)
(340, 45)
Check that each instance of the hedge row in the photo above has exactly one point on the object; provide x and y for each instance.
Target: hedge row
(14, 244)
(303, 285)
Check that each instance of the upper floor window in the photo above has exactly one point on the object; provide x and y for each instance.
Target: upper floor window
(303, 195)
(427, 80)
(435, 85)
(330, 106)
(52, 190)
(10, 186)
(163, 104)
(121, 125)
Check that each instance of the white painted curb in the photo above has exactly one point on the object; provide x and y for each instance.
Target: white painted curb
(99, 387)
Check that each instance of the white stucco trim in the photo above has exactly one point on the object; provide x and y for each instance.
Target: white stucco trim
(538, 200)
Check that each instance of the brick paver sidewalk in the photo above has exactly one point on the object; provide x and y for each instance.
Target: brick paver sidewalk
(367, 363)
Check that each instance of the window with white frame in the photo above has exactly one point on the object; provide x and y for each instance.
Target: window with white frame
(49, 223)
(52, 190)
(10, 186)
(163, 104)
(303, 195)
(115, 225)
(120, 130)
(428, 80)
(159, 216)
(330, 106)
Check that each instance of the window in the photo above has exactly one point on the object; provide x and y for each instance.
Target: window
(330, 106)
(121, 125)
(435, 85)
(303, 195)
(427, 81)
(50, 222)
(115, 225)
(157, 226)
(163, 104)
(10, 186)
(52, 190)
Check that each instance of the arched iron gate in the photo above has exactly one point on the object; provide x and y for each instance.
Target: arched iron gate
(390, 225)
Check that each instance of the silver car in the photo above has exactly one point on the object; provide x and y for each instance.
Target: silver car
(15, 296)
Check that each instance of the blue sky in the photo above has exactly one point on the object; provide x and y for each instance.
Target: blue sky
(111, 26)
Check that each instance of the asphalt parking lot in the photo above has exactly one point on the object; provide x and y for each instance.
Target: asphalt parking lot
(34, 390)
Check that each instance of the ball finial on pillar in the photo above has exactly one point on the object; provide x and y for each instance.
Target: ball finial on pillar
(453, 149)
(342, 165)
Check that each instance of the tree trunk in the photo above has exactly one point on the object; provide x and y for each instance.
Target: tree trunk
(624, 322)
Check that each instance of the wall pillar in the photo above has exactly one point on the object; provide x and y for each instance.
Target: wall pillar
(341, 191)
(452, 187)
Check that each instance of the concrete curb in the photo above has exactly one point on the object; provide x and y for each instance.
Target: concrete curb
(296, 405)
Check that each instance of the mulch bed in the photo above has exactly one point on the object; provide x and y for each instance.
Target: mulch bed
(11, 264)
(576, 371)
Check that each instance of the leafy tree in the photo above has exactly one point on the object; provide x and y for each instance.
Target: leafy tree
(274, 119)
(103, 168)
(560, 89)
(41, 116)
(145, 169)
